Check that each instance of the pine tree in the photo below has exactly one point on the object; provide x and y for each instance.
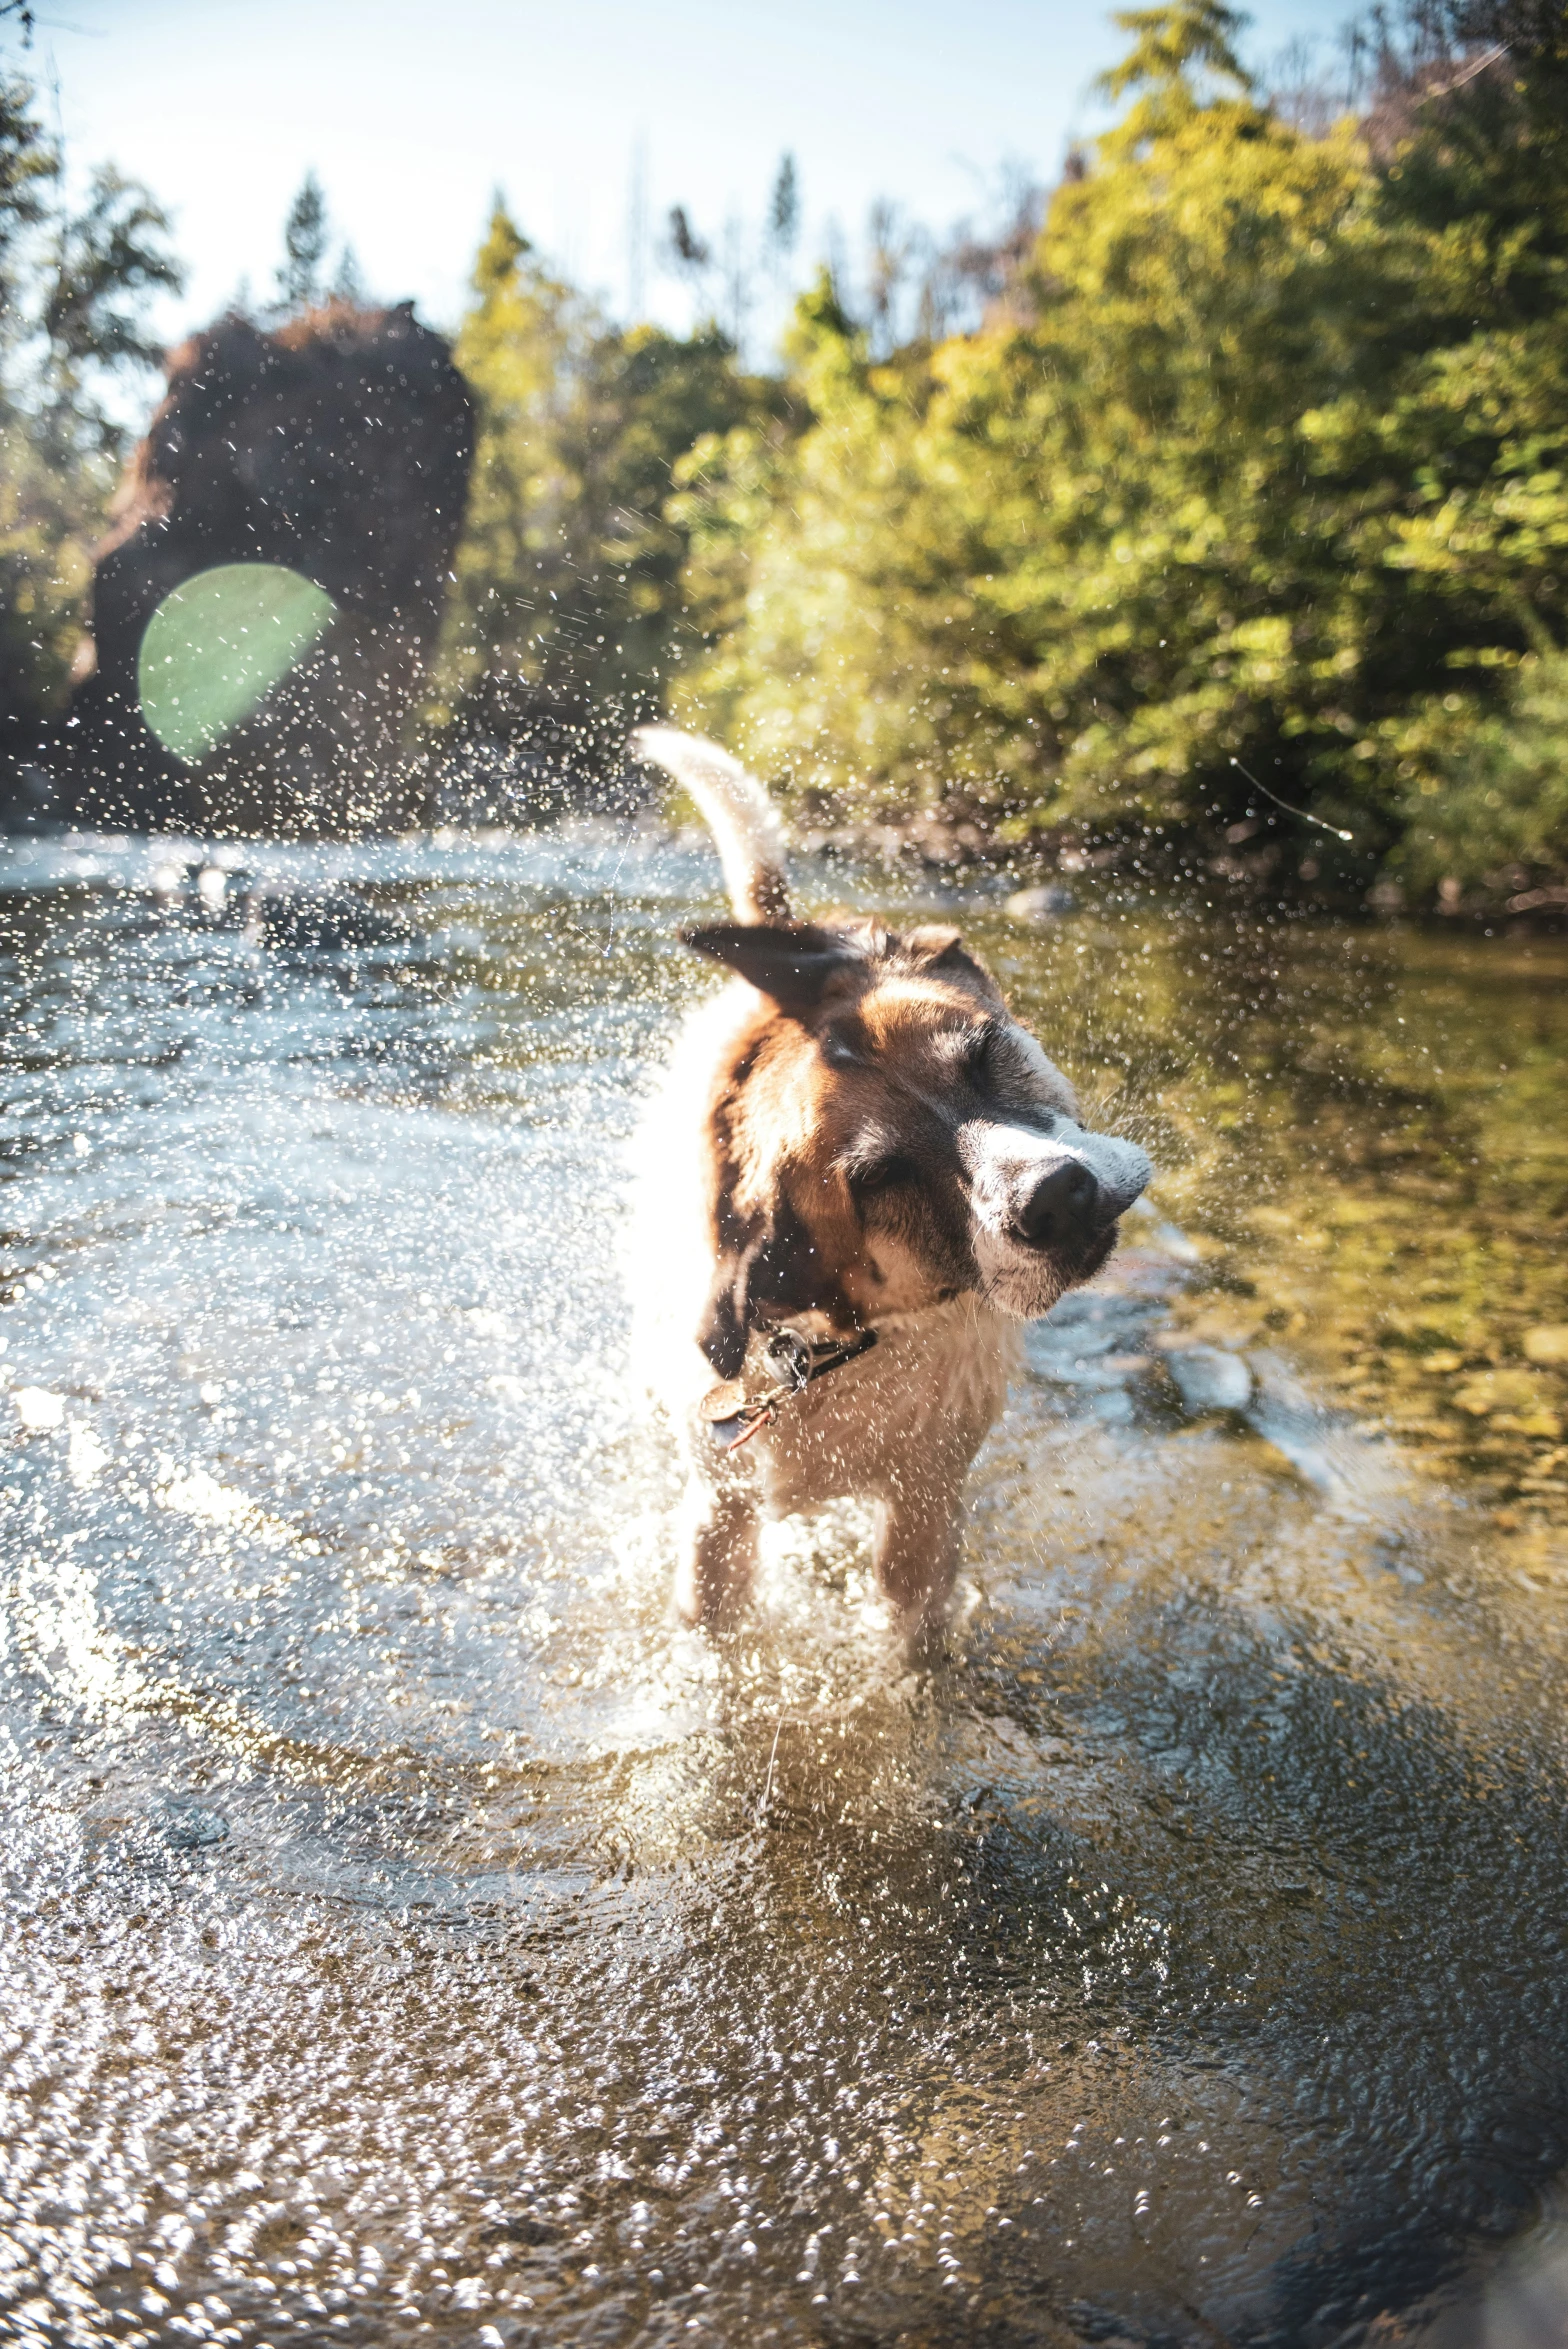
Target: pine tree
(1266, 468)
(306, 236)
(568, 605)
(349, 284)
(1172, 46)
(74, 289)
(104, 263)
(27, 163)
(784, 211)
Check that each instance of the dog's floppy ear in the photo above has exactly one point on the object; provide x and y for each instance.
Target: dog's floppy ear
(936, 947)
(933, 942)
(793, 962)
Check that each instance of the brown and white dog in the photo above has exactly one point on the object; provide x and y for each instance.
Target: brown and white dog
(856, 1137)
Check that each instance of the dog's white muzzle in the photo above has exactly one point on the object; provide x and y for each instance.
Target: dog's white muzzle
(1043, 1205)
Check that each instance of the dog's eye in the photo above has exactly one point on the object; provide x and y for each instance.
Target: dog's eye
(977, 1055)
(881, 1174)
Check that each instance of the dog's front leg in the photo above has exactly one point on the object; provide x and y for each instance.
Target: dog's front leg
(718, 1551)
(916, 1550)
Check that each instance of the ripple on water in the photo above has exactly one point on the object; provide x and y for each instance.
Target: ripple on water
(404, 1926)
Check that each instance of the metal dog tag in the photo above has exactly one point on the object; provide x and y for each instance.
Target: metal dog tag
(722, 1401)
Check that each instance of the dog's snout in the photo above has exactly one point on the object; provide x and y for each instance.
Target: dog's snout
(1063, 1209)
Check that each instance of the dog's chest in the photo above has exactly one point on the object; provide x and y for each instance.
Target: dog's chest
(923, 1400)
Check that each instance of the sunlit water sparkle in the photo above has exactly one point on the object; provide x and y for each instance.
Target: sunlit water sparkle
(407, 1930)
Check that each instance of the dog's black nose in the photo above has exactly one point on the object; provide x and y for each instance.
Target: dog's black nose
(1063, 1209)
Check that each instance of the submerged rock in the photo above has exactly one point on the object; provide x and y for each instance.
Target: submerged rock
(1039, 905)
(1209, 1379)
(320, 921)
(192, 1827)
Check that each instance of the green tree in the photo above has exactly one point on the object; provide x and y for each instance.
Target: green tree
(348, 284)
(102, 267)
(1499, 809)
(1268, 464)
(27, 164)
(783, 232)
(73, 294)
(568, 603)
(1171, 47)
(306, 236)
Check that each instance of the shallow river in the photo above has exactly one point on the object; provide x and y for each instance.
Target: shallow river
(408, 1933)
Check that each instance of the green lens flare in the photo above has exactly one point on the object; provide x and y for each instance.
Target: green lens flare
(218, 644)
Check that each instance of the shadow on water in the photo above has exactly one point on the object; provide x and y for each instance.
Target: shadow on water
(408, 1932)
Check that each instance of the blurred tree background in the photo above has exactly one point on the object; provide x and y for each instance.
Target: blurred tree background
(1234, 473)
(1261, 458)
(568, 613)
(74, 289)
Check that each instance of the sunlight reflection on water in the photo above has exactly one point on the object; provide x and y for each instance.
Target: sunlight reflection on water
(406, 1926)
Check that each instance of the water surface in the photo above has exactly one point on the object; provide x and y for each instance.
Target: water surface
(408, 1932)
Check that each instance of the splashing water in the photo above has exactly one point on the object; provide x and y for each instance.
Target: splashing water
(407, 1931)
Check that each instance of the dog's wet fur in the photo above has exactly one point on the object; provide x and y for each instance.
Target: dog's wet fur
(859, 1135)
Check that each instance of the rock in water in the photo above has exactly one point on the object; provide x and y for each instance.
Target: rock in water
(1209, 1379)
(336, 450)
(1039, 905)
(321, 921)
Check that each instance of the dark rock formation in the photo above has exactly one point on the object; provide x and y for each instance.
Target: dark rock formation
(339, 446)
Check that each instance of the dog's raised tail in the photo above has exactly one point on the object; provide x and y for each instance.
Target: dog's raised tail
(738, 812)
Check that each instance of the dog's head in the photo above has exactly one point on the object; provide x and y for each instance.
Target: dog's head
(885, 1135)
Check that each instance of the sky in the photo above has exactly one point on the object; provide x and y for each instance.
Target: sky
(590, 115)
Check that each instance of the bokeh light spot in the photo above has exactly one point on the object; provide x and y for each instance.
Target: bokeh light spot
(217, 645)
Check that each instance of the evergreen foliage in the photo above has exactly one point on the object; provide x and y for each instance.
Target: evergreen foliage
(73, 295)
(784, 209)
(1251, 479)
(103, 264)
(568, 599)
(1265, 460)
(306, 236)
